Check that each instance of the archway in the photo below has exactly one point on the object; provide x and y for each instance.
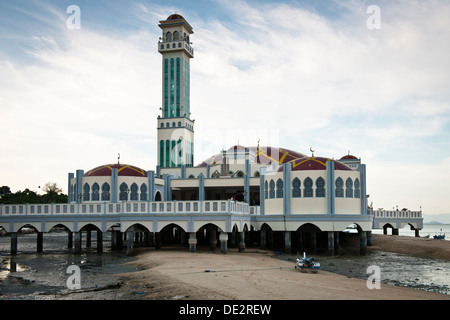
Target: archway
(158, 196)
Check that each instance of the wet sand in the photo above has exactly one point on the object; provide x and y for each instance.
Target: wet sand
(175, 273)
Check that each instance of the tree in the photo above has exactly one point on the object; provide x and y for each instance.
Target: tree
(53, 193)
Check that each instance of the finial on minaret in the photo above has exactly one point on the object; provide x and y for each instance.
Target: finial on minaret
(118, 158)
(312, 151)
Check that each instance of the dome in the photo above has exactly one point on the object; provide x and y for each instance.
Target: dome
(349, 157)
(175, 16)
(265, 155)
(124, 170)
(315, 163)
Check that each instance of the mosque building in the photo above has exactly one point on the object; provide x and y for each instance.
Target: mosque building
(290, 197)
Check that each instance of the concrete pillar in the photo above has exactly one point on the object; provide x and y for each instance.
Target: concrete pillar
(213, 238)
(157, 240)
(313, 238)
(336, 242)
(88, 238)
(182, 237)
(78, 242)
(70, 239)
(114, 240)
(192, 242)
(130, 242)
(300, 241)
(40, 241)
(241, 245)
(369, 238)
(363, 243)
(330, 249)
(233, 239)
(287, 242)
(416, 233)
(263, 239)
(394, 232)
(223, 238)
(13, 243)
(99, 241)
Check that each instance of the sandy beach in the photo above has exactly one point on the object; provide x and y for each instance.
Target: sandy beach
(175, 273)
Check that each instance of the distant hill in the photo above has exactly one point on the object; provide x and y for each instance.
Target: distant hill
(443, 218)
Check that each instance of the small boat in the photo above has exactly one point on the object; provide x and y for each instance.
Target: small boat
(427, 236)
(439, 237)
(304, 264)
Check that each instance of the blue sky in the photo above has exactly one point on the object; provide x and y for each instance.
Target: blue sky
(297, 74)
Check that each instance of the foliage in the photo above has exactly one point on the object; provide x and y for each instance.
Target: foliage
(53, 194)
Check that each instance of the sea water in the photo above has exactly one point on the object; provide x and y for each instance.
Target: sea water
(428, 229)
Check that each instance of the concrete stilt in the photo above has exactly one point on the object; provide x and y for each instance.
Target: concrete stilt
(223, 238)
(313, 239)
(287, 242)
(182, 237)
(13, 243)
(69, 239)
(212, 239)
(363, 243)
(99, 241)
(241, 245)
(40, 241)
(330, 250)
(336, 242)
(130, 242)
(416, 233)
(233, 239)
(192, 242)
(263, 239)
(369, 238)
(114, 240)
(78, 242)
(394, 231)
(88, 238)
(157, 240)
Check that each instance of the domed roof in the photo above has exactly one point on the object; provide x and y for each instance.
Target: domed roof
(315, 163)
(265, 155)
(349, 157)
(124, 170)
(175, 16)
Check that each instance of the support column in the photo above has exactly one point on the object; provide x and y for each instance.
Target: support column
(212, 239)
(88, 238)
(40, 241)
(233, 239)
(336, 242)
(416, 233)
(157, 240)
(287, 242)
(330, 250)
(263, 239)
(78, 242)
(99, 241)
(13, 243)
(363, 243)
(130, 242)
(69, 239)
(192, 242)
(394, 232)
(182, 237)
(313, 238)
(369, 238)
(241, 245)
(223, 238)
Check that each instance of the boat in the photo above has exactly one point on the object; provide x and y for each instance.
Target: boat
(427, 236)
(439, 237)
(304, 264)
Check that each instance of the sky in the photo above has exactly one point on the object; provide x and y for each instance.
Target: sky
(369, 78)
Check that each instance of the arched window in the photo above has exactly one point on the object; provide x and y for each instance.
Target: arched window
(161, 153)
(134, 192)
(271, 189)
(339, 187)
(239, 174)
(105, 192)
(168, 36)
(257, 174)
(296, 193)
(349, 188)
(95, 192)
(308, 191)
(320, 187)
(86, 194)
(357, 189)
(167, 153)
(162, 125)
(279, 188)
(266, 190)
(123, 196)
(143, 192)
(176, 36)
(158, 196)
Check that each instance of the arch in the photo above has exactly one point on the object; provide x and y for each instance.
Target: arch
(86, 192)
(5, 227)
(95, 192)
(84, 226)
(296, 192)
(158, 196)
(123, 196)
(357, 189)
(134, 192)
(176, 36)
(320, 187)
(162, 225)
(349, 188)
(266, 190)
(144, 226)
(144, 192)
(339, 191)
(111, 226)
(68, 226)
(36, 226)
(308, 190)
(256, 174)
(239, 174)
(309, 227)
(272, 189)
(105, 192)
(168, 36)
(279, 188)
(220, 225)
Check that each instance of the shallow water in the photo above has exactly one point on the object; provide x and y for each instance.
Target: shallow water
(31, 275)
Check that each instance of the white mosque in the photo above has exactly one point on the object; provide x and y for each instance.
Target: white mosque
(268, 195)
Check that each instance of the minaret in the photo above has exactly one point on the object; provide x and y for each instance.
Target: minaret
(175, 127)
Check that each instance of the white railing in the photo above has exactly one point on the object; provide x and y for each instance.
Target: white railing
(130, 207)
(394, 214)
